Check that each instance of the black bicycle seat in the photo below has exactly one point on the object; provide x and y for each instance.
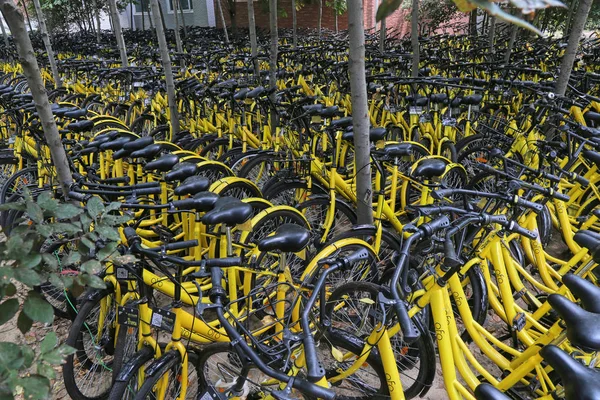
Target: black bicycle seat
(589, 240)
(341, 123)
(429, 168)
(76, 114)
(485, 391)
(254, 93)
(229, 211)
(81, 126)
(472, 100)
(312, 109)
(375, 135)
(583, 327)
(580, 382)
(163, 164)
(592, 116)
(181, 171)
(115, 144)
(138, 144)
(592, 156)
(439, 98)
(147, 152)
(329, 112)
(241, 94)
(201, 202)
(396, 150)
(105, 137)
(585, 291)
(192, 185)
(288, 238)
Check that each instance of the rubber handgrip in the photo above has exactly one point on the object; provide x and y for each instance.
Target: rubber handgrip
(147, 191)
(498, 219)
(516, 228)
(224, 262)
(78, 196)
(537, 208)
(581, 180)
(431, 227)
(410, 332)
(313, 390)
(130, 234)
(560, 196)
(184, 204)
(186, 244)
(441, 193)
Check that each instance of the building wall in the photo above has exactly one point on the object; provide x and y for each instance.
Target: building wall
(202, 15)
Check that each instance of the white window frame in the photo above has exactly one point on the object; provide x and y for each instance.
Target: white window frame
(136, 12)
(188, 11)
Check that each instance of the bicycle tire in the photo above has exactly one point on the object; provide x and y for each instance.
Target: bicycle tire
(315, 210)
(25, 177)
(126, 386)
(260, 169)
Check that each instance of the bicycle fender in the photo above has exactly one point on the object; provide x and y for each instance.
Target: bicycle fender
(137, 360)
(98, 293)
(163, 362)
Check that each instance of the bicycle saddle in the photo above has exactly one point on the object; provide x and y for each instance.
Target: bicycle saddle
(288, 238)
(147, 152)
(396, 150)
(329, 112)
(312, 109)
(375, 134)
(105, 137)
(341, 123)
(583, 327)
(472, 100)
(76, 114)
(241, 95)
(59, 112)
(7, 89)
(256, 92)
(429, 168)
(163, 164)
(592, 156)
(181, 171)
(457, 101)
(138, 144)
(591, 241)
(115, 144)
(229, 211)
(439, 98)
(580, 382)
(192, 185)
(585, 291)
(202, 202)
(418, 100)
(81, 126)
(485, 391)
(592, 116)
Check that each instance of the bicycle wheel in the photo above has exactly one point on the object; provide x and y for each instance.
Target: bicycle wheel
(260, 169)
(127, 385)
(165, 373)
(316, 209)
(352, 308)
(88, 372)
(27, 177)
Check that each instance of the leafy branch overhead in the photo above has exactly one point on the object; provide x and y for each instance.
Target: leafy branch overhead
(47, 240)
(387, 7)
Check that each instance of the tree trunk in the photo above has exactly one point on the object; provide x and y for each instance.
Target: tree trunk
(473, 23)
(511, 43)
(273, 61)
(336, 21)
(166, 63)
(570, 16)
(546, 20)
(162, 19)
(382, 30)
(320, 18)
(220, 10)
(97, 17)
(150, 17)
(253, 45)
(294, 25)
(143, 15)
(31, 70)
(183, 24)
(360, 111)
(178, 42)
(414, 37)
(491, 33)
(4, 35)
(116, 23)
(27, 15)
(47, 44)
(131, 16)
(566, 64)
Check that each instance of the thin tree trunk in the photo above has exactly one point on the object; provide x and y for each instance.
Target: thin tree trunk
(570, 16)
(253, 44)
(47, 44)
(511, 43)
(220, 9)
(294, 25)
(150, 17)
(131, 16)
(491, 33)
(4, 35)
(27, 15)
(162, 18)
(382, 31)
(143, 15)
(182, 15)
(336, 21)
(566, 64)
(116, 23)
(273, 61)
(31, 71)
(320, 20)
(97, 16)
(473, 23)
(177, 36)
(166, 63)
(414, 37)
(360, 111)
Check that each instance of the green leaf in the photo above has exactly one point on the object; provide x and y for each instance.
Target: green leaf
(87, 243)
(115, 205)
(44, 230)
(67, 228)
(36, 387)
(30, 261)
(72, 258)
(92, 267)
(8, 309)
(46, 370)
(56, 281)
(107, 232)
(24, 323)
(47, 203)
(28, 356)
(14, 244)
(10, 356)
(50, 261)
(93, 281)
(35, 213)
(57, 356)
(37, 308)
(85, 220)
(10, 290)
(107, 251)
(49, 342)
(386, 8)
(26, 276)
(95, 207)
(67, 211)
(13, 206)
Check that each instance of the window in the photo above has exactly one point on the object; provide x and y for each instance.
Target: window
(185, 5)
(142, 4)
